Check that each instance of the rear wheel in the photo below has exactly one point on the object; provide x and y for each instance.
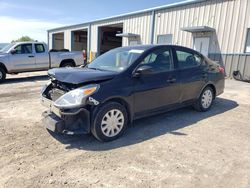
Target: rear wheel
(2, 75)
(68, 64)
(110, 122)
(205, 100)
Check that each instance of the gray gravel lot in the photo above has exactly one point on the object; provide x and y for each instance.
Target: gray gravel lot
(183, 148)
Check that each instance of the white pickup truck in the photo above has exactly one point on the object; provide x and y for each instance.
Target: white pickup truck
(34, 56)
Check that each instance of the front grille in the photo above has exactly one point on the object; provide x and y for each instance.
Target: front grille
(58, 89)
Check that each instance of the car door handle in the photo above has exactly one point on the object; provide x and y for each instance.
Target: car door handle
(31, 56)
(171, 80)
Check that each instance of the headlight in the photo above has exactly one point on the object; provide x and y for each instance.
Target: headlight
(76, 98)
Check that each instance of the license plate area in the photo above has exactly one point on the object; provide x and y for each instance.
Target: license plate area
(49, 104)
(55, 110)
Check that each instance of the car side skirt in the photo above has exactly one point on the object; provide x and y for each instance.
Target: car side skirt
(163, 109)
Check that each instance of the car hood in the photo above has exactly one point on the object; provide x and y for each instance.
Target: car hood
(80, 75)
(3, 54)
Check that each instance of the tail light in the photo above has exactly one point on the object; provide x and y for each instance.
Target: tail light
(221, 70)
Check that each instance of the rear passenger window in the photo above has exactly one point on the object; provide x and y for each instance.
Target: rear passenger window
(187, 59)
(39, 48)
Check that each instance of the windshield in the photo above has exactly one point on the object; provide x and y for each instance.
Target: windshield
(6, 48)
(116, 60)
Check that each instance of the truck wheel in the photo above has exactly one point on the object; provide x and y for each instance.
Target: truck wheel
(68, 64)
(110, 122)
(205, 100)
(2, 74)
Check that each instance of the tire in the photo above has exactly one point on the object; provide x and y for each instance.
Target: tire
(2, 75)
(110, 122)
(67, 64)
(205, 101)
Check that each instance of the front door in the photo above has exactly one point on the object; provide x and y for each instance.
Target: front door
(202, 45)
(159, 88)
(24, 58)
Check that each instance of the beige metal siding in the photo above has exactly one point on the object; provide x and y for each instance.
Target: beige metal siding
(67, 39)
(228, 17)
(50, 41)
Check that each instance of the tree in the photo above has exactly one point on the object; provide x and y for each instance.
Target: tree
(23, 39)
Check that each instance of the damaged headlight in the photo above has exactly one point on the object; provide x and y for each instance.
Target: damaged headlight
(76, 98)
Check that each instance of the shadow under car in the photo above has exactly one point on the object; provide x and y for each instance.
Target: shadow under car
(148, 128)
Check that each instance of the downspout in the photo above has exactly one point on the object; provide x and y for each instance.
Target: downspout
(152, 27)
(48, 40)
(89, 42)
(48, 48)
(71, 40)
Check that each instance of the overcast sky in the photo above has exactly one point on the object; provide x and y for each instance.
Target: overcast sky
(33, 18)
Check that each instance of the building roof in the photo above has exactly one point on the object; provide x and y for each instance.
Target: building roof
(173, 5)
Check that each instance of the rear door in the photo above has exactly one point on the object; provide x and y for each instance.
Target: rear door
(193, 77)
(42, 56)
(24, 58)
(159, 89)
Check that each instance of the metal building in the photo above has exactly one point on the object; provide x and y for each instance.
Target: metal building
(219, 29)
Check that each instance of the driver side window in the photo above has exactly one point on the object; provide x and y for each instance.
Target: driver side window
(160, 60)
(24, 49)
(18, 49)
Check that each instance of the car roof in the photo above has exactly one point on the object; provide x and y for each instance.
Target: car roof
(151, 46)
(26, 42)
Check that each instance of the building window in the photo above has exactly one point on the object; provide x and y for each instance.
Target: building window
(247, 49)
(165, 39)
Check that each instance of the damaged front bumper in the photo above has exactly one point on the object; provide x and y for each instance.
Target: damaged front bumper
(73, 121)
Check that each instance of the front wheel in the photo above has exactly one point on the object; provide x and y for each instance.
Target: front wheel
(2, 75)
(110, 122)
(205, 100)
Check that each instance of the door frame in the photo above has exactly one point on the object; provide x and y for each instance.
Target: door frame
(98, 36)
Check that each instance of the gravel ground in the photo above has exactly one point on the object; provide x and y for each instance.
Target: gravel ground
(183, 148)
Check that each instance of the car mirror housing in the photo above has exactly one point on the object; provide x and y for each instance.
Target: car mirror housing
(143, 70)
(13, 51)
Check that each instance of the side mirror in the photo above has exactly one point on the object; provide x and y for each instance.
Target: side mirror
(143, 70)
(13, 51)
